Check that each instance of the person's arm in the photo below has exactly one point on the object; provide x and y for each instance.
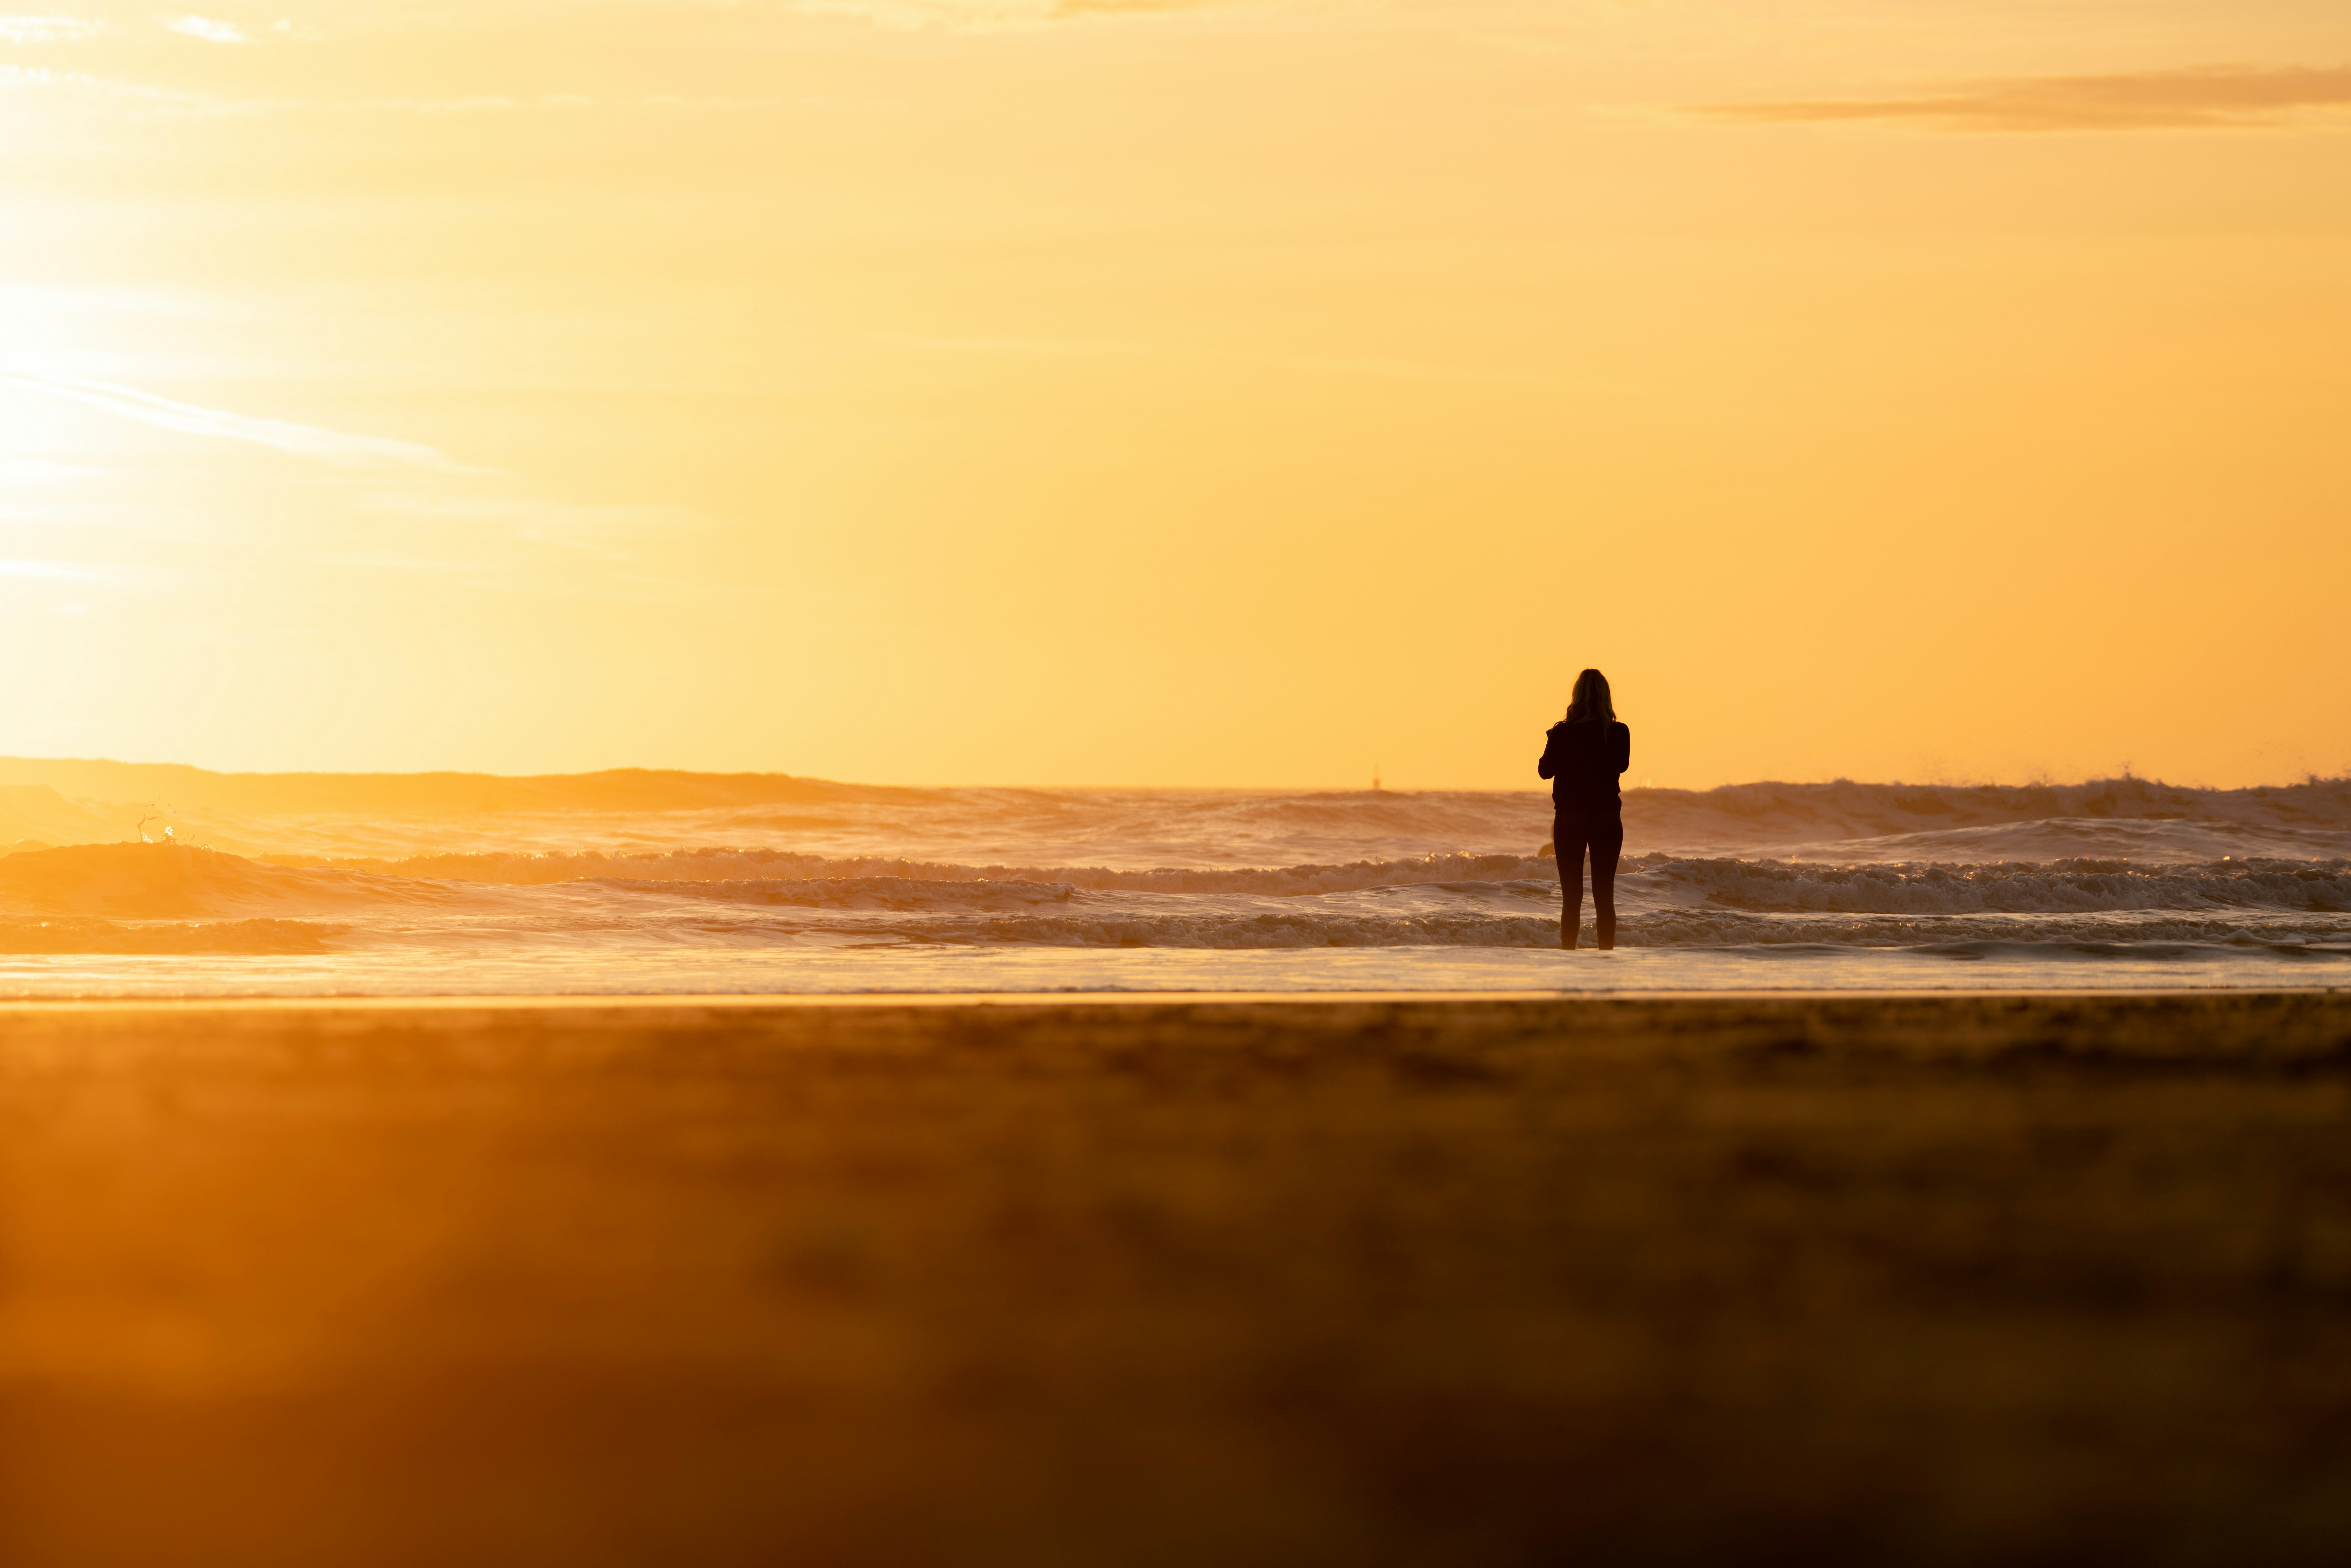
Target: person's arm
(1547, 764)
(1623, 747)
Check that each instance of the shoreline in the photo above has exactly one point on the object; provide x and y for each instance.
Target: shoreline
(731, 1000)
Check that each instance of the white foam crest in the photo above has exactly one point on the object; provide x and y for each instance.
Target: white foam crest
(756, 865)
(2141, 818)
(2060, 886)
(1301, 925)
(633, 811)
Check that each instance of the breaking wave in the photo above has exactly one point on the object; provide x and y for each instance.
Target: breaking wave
(177, 882)
(1310, 928)
(2141, 819)
(2076, 885)
(1456, 899)
(375, 822)
(754, 865)
(242, 937)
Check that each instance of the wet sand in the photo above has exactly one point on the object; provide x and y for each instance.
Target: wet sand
(1470, 1281)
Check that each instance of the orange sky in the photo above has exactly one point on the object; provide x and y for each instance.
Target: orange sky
(943, 391)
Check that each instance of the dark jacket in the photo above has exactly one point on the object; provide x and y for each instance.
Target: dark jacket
(1582, 761)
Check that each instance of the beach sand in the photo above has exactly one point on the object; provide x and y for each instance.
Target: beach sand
(1044, 1281)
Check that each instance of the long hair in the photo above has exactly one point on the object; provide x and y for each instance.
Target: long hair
(1589, 703)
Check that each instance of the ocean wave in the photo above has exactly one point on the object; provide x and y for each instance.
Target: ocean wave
(757, 866)
(627, 877)
(2008, 888)
(177, 882)
(783, 877)
(244, 937)
(2074, 838)
(1305, 924)
(1724, 929)
(375, 822)
(878, 892)
(1456, 892)
(1995, 949)
(1302, 928)
(2142, 818)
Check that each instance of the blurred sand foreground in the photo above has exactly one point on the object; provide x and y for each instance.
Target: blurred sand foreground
(1927, 1279)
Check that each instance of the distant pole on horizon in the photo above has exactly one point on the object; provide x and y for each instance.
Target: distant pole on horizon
(1375, 776)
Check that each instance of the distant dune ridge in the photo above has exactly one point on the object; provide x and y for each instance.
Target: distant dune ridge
(614, 789)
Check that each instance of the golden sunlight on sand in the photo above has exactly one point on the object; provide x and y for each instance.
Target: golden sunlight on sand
(1823, 1280)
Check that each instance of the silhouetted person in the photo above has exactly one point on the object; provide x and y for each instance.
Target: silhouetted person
(1581, 756)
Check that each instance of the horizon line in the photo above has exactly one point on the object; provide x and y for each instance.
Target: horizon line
(2311, 778)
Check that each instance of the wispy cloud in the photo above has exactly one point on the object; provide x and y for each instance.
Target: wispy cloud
(1364, 365)
(24, 471)
(1001, 12)
(169, 101)
(209, 29)
(1124, 7)
(2194, 98)
(57, 570)
(14, 76)
(611, 531)
(399, 509)
(189, 419)
(736, 105)
(1047, 346)
(519, 543)
(21, 29)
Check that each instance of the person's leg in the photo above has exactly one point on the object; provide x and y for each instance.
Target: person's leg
(1567, 835)
(1607, 842)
